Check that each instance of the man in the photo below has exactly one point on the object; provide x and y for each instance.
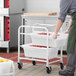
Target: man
(68, 7)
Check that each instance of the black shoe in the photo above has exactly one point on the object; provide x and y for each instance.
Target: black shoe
(65, 73)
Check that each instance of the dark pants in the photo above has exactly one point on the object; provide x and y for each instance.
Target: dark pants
(71, 61)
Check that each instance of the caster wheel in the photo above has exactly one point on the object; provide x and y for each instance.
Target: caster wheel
(34, 62)
(20, 65)
(62, 66)
(48, 70)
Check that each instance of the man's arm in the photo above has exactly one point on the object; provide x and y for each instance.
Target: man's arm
(59, 24)
(64, 7)
(70, 22)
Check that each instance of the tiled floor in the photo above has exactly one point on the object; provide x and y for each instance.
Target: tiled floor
(38, 70)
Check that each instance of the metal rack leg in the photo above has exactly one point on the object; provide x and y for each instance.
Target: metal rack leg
(61, 55)
(8, 50)
(61, 60)
(47, 63)
(18, 46)
(48, 68)
(8, 47)
(18, 56)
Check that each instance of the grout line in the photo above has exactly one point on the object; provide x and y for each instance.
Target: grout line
(13, 57)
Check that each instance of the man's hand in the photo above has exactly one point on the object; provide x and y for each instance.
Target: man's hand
(66, 32)
(54, 35)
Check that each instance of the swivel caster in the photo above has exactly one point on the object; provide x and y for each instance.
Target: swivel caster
(62, 66)
(34, 62)
(48, 70)
(20, 65)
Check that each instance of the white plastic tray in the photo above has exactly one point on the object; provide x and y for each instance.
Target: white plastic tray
(42, 40)
(39, 52)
